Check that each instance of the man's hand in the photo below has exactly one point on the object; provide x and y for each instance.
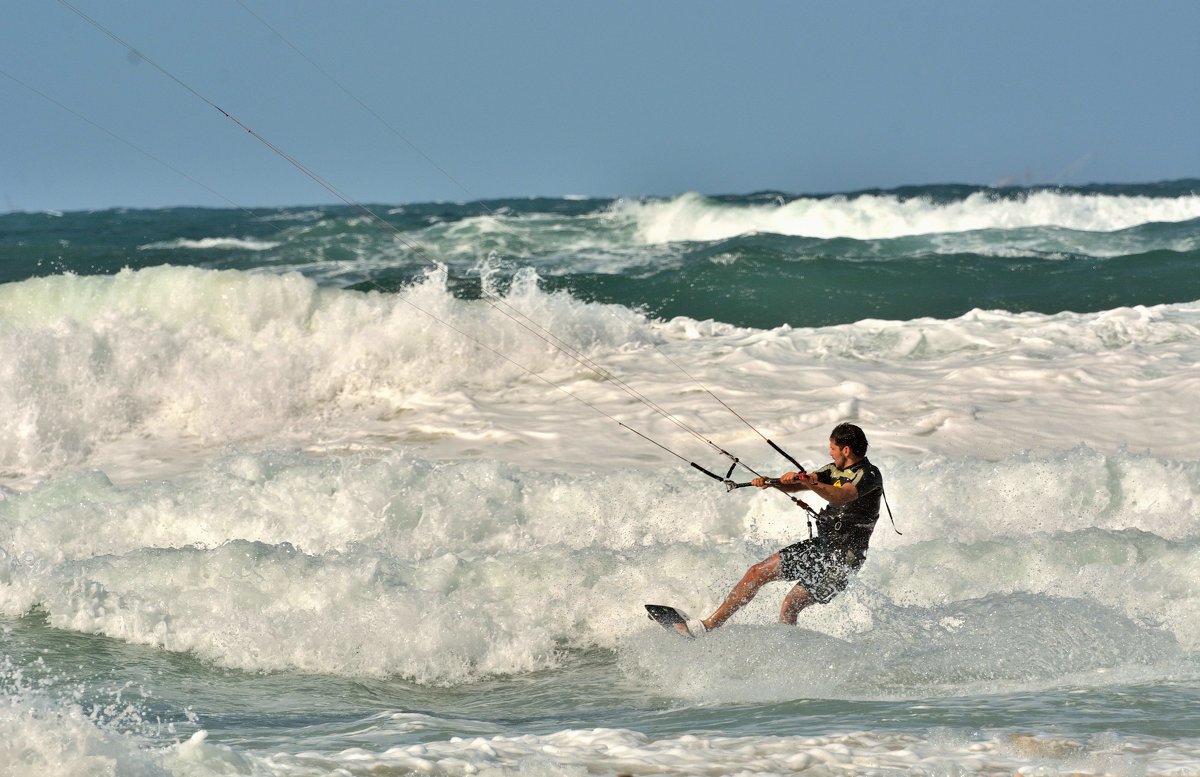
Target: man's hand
(796, 480)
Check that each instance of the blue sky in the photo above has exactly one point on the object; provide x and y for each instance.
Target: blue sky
(620, 98)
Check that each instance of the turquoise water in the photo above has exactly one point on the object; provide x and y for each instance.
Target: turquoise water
(288, 710)
(592, 249)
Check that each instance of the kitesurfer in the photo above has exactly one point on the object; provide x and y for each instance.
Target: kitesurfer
(821, 566)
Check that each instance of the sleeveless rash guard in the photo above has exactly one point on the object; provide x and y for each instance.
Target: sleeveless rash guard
(848, 527)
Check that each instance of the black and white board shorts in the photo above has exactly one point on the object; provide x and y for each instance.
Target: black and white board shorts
(822, 570)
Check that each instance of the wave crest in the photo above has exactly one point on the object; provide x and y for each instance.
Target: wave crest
(692, 217)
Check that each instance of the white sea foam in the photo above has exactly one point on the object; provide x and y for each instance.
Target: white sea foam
(161, 364)
(211, 243)
(620, 751)
(350, 462)
(179, 353)
(692, 217)
(42, 735)
(46, 739)
(604, 241)
(285, 561)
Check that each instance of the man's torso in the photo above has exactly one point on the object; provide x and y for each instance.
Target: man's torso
(848, 526)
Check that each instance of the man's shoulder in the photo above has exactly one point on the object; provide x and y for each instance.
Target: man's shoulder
(867, 466)
(869, 475)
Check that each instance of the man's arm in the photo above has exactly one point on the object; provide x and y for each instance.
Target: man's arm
(834, 495)
(807, 481)
(789, 482)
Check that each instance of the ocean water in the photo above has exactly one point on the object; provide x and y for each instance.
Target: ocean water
(288, 493)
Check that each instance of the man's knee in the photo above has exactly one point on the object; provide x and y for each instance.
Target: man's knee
(798, 597)
(765, 571)
(796, 600)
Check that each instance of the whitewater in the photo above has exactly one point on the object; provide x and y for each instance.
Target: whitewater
(283, 496)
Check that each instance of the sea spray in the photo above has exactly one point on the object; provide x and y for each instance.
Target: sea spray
(444, 572)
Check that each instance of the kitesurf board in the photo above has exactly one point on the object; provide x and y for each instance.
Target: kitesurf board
(669, 618)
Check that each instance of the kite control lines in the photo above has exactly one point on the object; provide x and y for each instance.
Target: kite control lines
(730, 484)
(497, 302)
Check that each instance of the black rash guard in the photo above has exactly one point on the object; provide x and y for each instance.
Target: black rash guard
(848, 527)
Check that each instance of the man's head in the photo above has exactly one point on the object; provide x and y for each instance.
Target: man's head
(847, 444)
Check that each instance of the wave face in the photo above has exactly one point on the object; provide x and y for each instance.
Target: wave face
(152, 366)
(279, 497)
(284, 562)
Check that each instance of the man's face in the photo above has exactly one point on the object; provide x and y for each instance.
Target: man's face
(840, 456)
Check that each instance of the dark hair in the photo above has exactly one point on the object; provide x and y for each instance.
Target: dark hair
(850, 436)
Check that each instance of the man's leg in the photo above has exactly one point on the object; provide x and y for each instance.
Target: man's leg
(756, 577)
(797, 599)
